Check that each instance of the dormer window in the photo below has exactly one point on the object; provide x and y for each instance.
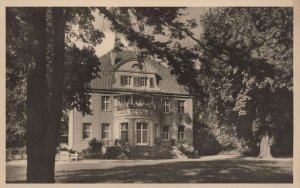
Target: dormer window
(136, 81)
(151, 82)
(144, 81)
(125, 80)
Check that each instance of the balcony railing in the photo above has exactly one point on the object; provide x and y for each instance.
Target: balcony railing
(137, 110)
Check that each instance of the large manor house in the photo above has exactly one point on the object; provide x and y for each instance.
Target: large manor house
(140, 102)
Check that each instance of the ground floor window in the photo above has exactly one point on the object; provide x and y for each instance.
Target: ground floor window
(180, 132)
(141, 133)
(124, 131)
(165, 132)
(105, 131)
(86, 131)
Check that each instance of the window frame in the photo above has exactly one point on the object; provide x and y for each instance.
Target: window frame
(84, 131)
(125, 80)
(124, 130)
(123, 100)
(165, 135)
(143, 80)
(165, 105)
(181, 135)
(181, 106)
(105, 104)
(136, 81)
(105, 131)
(151, 82)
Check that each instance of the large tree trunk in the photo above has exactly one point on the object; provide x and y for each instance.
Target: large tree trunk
(264, 148)
(56, 98)
(36, 94)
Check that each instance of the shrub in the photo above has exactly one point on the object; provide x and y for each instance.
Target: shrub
(122, 150)
(188, 151)
(95, 145)
(112, 152)
(94, 151)
(125, 147)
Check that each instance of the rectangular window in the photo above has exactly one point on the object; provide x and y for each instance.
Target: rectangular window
(124, 131)
(136, 81)
(105, 131)
(124, 100)
(180, 132)
(180, 106)
(165, 132)
(151, 82)
(105, 103)
(86, 131)
(166, 105)
(144, 81)
(141, 133)
(125, 80)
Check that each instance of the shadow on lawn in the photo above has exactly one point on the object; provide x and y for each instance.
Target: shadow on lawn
(221, 171)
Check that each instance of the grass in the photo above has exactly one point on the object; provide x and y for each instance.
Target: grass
(208, 170)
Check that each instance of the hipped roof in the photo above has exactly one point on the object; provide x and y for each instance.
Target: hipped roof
(167, 85)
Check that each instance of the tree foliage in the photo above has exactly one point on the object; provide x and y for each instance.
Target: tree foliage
(82, 65)
(250, 84)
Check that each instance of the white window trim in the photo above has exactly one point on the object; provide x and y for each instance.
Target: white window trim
(178, 106)
(104, 103)
(90, 131)
(126, 80)
(145, 79)
(162, 133)
(142, 129)
(124, 130)
(164, 105)
(182, 139)
(105, 131)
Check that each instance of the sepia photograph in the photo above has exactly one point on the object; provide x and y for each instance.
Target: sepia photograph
(139, 94)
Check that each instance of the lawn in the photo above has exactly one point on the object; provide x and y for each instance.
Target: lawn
(214, 169)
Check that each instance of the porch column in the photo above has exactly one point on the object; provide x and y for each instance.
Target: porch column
(131, 132)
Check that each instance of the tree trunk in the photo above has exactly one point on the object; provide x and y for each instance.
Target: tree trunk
(36, 94)
(265, 149)
(56, 99)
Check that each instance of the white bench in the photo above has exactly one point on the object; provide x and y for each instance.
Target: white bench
(66, 156)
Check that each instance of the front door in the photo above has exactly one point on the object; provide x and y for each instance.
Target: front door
(141, 133)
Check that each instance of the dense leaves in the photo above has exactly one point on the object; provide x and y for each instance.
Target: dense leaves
(250, 86)
(82, 65)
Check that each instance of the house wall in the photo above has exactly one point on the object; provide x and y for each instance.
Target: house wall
(173, 119)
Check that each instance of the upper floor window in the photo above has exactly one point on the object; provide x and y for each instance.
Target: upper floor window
(136, 81)
(166, 105)
(105, 103)
(125, 80)
(86, 131)
(180, 106)
(143, 81)
(151, 82)
(124, 100)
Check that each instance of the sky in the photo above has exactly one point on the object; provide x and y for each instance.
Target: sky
(108, 42)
